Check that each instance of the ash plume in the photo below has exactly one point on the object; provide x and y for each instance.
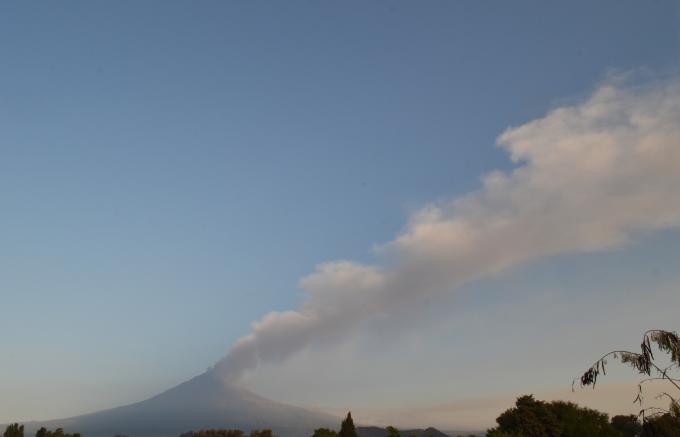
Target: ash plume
(587, 177)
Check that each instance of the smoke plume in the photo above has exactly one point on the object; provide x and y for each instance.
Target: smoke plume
(588, 177)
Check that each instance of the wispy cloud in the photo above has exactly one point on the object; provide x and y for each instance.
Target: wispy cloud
(589, 176)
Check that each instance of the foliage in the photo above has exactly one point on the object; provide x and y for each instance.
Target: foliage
(534, 418)
(324, 432)
(392, 432)
(580, 421)
(59, 432)
(227, 433)
(14, 430)
(664, 425)
(347, 428)
(628, 426)
(498, 433)
(644, 362)
(529, 418)
(214, 433)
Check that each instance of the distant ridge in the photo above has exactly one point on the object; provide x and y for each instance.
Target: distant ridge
(374, 431)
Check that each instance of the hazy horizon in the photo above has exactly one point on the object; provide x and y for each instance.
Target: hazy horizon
(416, 212)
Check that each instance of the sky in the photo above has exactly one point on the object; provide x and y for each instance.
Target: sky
(172, 172)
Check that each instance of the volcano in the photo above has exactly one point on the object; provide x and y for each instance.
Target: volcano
(206, 401)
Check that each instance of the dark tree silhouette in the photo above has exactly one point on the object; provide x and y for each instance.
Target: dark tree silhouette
(347, 428)
(628, 426)
(324, 432)
(534, 418)
(59, 432)
(227, 433)
(392, 432)
(14, 430)
(214, 433)
(529, 418)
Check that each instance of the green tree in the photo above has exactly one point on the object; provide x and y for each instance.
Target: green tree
(534, 418)
(14, 430)
(347, 428)
(324, 432)
(529, 418)
(582, 422)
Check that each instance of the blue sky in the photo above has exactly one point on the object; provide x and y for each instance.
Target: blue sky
(171, 170)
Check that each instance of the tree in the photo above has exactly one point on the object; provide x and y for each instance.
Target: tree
(664, 425)
(644, 362)
(324, 432)
(14, 430)
(529, 418)
(59, 432)
(628, 426)
(534, 418)
(392, 432)
(582, 422)
(214, 433)
(498, 433)
(347, 428)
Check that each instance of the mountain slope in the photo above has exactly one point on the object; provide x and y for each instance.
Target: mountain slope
(205, 401)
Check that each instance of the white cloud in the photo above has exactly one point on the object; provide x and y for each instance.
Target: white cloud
(589, 177)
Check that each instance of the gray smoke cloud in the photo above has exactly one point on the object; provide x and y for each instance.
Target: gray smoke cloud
(588, 177)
